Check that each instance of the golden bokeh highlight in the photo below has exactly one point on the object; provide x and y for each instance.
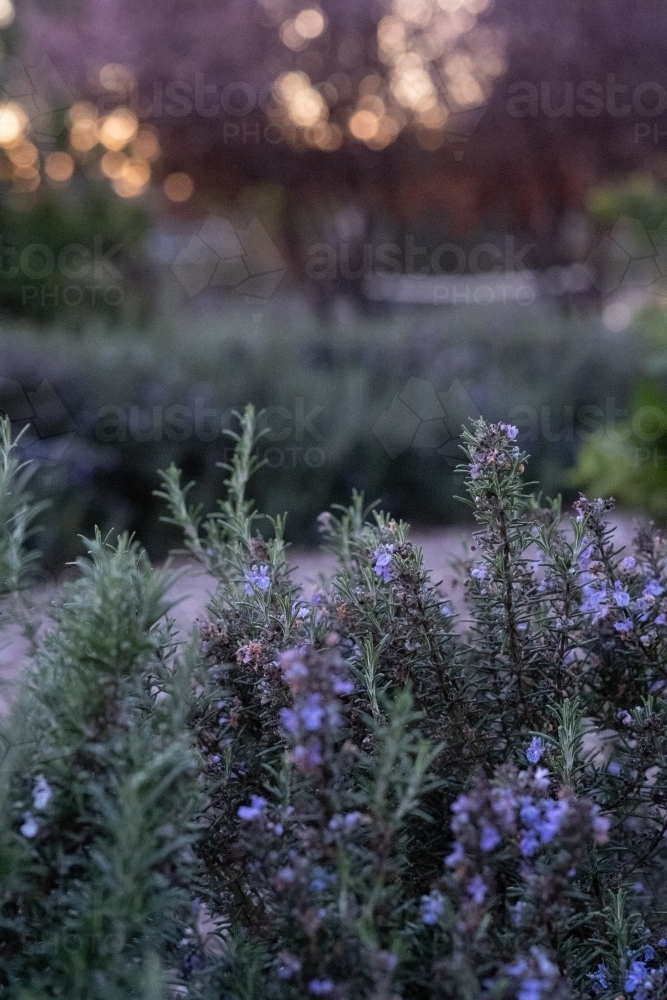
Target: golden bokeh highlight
(112, 164)
(7, 13)
(13, 122)
(364, 125)
(84, 134)
(118, 128)
(23, 154)
(134, 178)
(146, 144)
(59, 166)
(309, 23)
(178, 187)
(116, 77)
(304, 105)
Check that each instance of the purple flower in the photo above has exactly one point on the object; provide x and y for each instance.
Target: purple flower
(383, 556)
(517, 912)
(503, 803)
(489, 838)
(254, 810)
(257, 578)
(480, 572)
(320, 987)
(636, 977)
(654, 588)
(624, 626)
(478, 889)
(601, 826)
(511, 431)
(289, 964)
(586, 557)
(614, 768)
(541, 778)
(321, 880)
(289, 720)
(342, 687)
(535, 749)
(432, 907)
(293, 667)
(554, 813)
(313, 712)
(307, 758)
(457, 855)
(661, 619)
(529, 844)
(621, 596)
(30, 826)
(594, 603)
(531, 989)
(41, 793)
(628, 563)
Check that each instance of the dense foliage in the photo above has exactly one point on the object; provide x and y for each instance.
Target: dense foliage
(335, 395)
(356, 793)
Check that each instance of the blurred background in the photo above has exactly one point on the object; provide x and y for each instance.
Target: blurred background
(374, 219)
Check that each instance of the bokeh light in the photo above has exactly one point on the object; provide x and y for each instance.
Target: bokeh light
(178, 186)
(118, 128)
(13, 121)
(59, 166)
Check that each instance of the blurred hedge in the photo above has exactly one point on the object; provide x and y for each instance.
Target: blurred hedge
(110, 407)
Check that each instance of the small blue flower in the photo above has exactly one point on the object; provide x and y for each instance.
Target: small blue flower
(628, 563)
(322, 880)
(529, 844)
(489, 837)
(320, 987)
(432, 907)
(600, 978)
(535, 749)
(456, 857)
(636, 976)
(313, 712)
(383, 556)
(531, 989)
(654, 588)
(621, 596)
(257, 578)
(478, 889)
(289, 720)
(511, 431)
(624, 627)
(254, 810)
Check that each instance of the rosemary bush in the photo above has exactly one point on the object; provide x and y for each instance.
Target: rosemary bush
(355, 793)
